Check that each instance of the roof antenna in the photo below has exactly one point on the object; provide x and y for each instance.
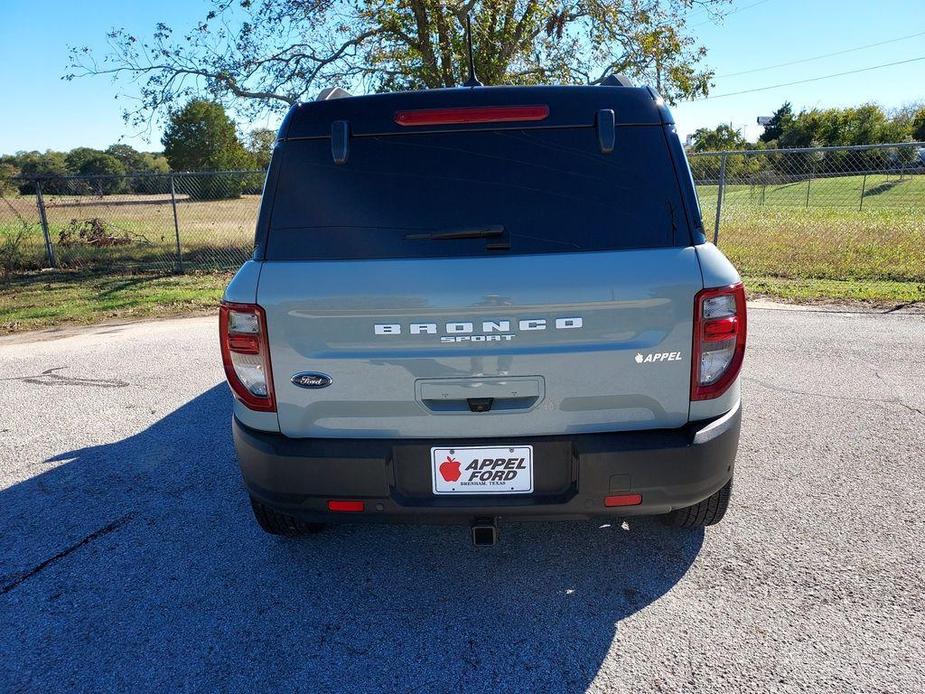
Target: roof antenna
(473, 81)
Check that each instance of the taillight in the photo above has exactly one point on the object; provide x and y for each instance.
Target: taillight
(246, 354)
(471, 114)
(719, 340)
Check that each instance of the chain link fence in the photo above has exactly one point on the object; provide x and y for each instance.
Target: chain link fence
(825, 212)
(829, 212)
(149, 222)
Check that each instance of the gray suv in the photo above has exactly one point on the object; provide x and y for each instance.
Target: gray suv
(482, 303)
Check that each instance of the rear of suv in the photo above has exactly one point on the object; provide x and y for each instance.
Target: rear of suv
(482, 303)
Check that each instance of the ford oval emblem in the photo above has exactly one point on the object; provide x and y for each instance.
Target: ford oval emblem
(311, 379)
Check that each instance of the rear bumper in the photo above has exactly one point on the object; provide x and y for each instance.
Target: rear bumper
(669, 468)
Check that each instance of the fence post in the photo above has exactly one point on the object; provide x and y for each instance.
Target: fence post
(809, 182)
(863, 189)
(719, 197)
(43, 219)
(176, 226)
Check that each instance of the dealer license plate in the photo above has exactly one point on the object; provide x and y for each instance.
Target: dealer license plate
(478, 470)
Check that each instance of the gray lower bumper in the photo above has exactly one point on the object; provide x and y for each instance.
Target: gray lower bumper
(669, 468)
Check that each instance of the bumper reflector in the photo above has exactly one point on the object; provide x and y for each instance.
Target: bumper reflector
(623, 500)
(346, 506)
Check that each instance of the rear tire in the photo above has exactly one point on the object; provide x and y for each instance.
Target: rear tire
(710, 511)
(276, 523)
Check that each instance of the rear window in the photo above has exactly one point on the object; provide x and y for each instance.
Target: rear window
(543, 190)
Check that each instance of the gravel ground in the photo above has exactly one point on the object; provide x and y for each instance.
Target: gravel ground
(128, 558)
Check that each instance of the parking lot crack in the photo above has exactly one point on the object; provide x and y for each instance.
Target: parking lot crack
(843, 398)
(794, 391)
(38, 568)
(49, 378)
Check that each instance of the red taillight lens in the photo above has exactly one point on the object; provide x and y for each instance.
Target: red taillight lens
(720, 329)
(719, 340)
(246, 355)
(244, 344)
(623, 500)
(346, 506)
(471, 114)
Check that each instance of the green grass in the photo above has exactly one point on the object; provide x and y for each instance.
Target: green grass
(771, 231)
(811, 243)
(844, 192)
(876, 292)
(46, 299)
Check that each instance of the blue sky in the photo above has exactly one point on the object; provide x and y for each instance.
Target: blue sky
(40, 111)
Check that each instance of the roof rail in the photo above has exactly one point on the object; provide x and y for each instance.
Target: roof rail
(332, 93)
(617, 80)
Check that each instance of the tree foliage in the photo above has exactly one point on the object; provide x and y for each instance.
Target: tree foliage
(263, 55)
(52, 167)
(722, 137)
(107, 173)
(260, 146)
(831, 127)
(201, 137)
(138, 162)
(918, 125)
(912, 116)
(781, 120)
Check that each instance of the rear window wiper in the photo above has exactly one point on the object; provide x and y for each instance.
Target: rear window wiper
(488, 232)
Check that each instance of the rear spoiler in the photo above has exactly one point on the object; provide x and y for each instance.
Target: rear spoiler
(375, 114)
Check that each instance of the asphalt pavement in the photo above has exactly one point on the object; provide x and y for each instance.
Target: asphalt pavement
(129, 559)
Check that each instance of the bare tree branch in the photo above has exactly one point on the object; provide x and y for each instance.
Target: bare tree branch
(260, 56)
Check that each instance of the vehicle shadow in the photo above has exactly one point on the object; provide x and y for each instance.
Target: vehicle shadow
(136, 565)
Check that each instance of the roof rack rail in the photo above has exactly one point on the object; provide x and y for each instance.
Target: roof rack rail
(332, 93)
(617, 79)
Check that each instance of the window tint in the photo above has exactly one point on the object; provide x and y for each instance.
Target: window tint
(550, 190)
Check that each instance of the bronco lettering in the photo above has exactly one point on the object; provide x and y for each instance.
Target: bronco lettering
(464, 329)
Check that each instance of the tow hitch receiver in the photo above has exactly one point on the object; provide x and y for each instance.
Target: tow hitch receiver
(484, 532)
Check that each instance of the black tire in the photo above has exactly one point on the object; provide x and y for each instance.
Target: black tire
(276, 523)
(710, 511)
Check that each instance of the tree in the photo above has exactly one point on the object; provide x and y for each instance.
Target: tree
(260, 146)
(780, 120)
(722, 137)
(107, 174)
(78, 156)
(918, 125)
(144, 164)
(154, 162)
(264, 55)
(201, 137)
(131, 158)
(912, 119)
(49, 166)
